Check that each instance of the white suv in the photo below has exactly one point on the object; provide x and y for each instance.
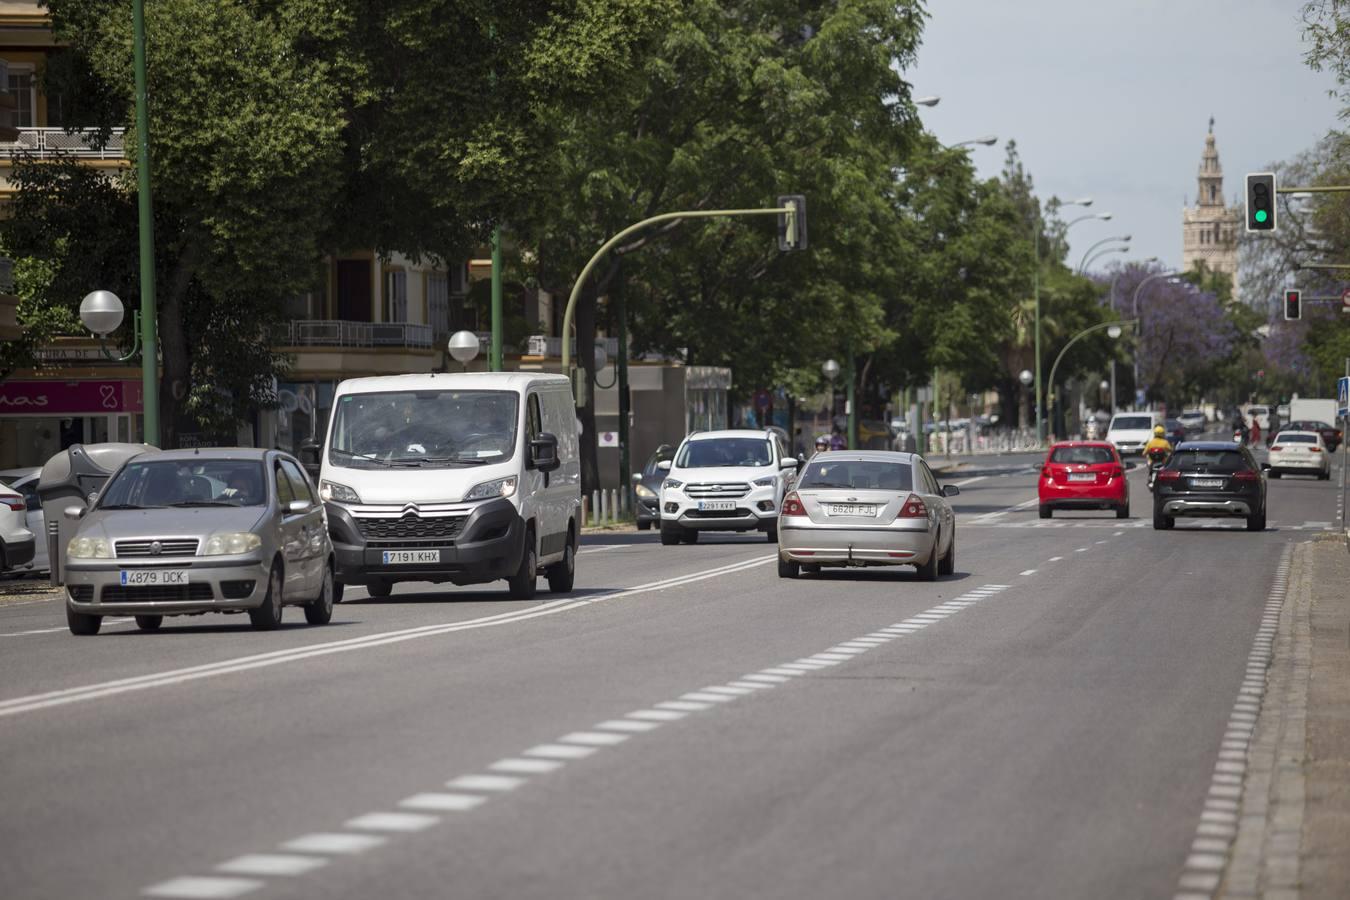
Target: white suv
(725, 481)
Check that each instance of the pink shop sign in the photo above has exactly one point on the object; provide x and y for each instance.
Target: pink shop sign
(86, 398)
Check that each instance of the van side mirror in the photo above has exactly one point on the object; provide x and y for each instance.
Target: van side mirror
(544, 452)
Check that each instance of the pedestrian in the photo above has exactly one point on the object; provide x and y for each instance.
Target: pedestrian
(1256, 431)
(1274, 428)
(837, 440)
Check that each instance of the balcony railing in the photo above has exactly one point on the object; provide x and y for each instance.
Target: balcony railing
(551, 347)
(341, 333)
(44, 142)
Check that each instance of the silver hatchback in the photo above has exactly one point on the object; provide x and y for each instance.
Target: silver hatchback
(193, 531)
(867, 508)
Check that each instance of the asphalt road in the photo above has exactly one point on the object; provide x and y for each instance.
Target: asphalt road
(1045, 723)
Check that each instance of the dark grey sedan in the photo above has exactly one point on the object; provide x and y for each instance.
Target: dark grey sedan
(186, 532)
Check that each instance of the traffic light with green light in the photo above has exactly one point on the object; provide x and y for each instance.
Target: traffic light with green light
(1293, 306)
(1261, 201)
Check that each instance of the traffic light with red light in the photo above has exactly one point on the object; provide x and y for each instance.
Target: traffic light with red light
(1293, 305)
(1261, 201)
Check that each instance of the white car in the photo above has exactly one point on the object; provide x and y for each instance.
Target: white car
(1193, 420)
(725, 481)
(1129, 432)
(1299, 453)
(1260, 415)
(16, 541)
(25, 481)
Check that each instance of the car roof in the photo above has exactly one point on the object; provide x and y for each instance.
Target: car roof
(462, 381)
(240, 453)
(1104, 444)
(9, 475)
(1308, 432)
(1207, 445)
(892, 456)
(729, 432)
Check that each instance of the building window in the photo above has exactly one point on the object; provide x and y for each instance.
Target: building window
(438, 304)
(22, 87)
(1213, 192)
(396, 296)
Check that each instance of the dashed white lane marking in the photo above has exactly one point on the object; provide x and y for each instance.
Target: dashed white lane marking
(468, 792)
(987, 517)
(203, 888)
(1029, 572)
(967, 481)
(1217, 828)
(1081, 549)
(1054, 559)
(95, 691)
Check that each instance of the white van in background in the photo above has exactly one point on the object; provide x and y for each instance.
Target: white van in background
(1129, 432)
(465, 478)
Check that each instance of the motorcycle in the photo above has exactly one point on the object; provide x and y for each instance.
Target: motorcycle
(1157, 458)
(1239, 436)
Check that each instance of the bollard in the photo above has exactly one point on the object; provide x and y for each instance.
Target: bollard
(604, 507)
(595, 508)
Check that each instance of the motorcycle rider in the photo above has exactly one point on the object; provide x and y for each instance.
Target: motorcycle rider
(1157, 451)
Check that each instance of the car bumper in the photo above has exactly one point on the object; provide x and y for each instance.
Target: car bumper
(1130, 447)
(756, 511)
(488, 547)
(95, 587)
(20, 552)
(1208, 507)
(1305, 465)
(855, 546)
(1067, 496)
(648, 510)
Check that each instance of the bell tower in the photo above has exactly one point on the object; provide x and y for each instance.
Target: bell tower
(1209, 229)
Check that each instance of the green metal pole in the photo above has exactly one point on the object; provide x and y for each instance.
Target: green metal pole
(495, 353)
(145, 210)
(1036, 287)
(625, 460)
(851, 400)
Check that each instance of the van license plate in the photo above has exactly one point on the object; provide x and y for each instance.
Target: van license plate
(716, 505)
(405, 557)
(154, 577)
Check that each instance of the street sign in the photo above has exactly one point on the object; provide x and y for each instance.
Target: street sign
(1342, 397)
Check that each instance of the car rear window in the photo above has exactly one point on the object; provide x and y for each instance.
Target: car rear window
(1090, 456)
(858, 475)
(1208, 461)
(1120, 423)
(1287, 438)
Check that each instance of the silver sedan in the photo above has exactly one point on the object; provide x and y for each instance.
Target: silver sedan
(186, 532)
(867, 508)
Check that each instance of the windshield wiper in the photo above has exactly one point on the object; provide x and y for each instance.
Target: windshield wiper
(205, 503)
(437, 460)
(370, 459)
(126, 506)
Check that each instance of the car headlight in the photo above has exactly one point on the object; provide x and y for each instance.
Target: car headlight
(645, 492)
(231, 543)
(488, 490)
(88, 548)
(672, 484)
(339, 493)
(763, 482)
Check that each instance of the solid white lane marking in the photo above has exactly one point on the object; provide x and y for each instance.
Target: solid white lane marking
(196, 888)
(656, 715)
(392, 821)
(107, 622)
(1029, 572)
(628, 725)
(443, 802)
(271, 864)
(486, 782)
(970, 480)
(559, 751)
(527, 766)
(98, 690)
(334, 842)
(594, 738)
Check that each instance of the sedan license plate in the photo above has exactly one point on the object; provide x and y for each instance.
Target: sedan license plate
(716, 505)
(404, 557)
(852, 509)
(154, 577)
(1082, 476)
(1207, 482)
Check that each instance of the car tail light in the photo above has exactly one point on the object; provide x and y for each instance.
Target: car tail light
(1045, 472)
(1169, 475)
(913, 508)
(13, 501)
(1276, 447)
(1115, 472)
(1315, 449)
(1246, 475)
(792, 505)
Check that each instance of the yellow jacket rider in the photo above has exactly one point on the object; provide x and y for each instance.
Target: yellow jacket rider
(1158, 442)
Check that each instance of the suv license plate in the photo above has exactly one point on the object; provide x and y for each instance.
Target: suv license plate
(154, 577)
(1207, 482)
(716, 505)
(404, 557)
(852, 509)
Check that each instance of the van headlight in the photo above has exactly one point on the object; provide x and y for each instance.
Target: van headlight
(489, 490)
(88, 548)
(231, 543)
(338, 493)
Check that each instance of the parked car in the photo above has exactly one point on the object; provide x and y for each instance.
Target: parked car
(185, 532)
(867, 508)
(1193, 420)
(1083, 475)
(25, 481)
(1331, 435)
(730, 480)
(647, 487)
(1299, 453)
(1210, 479)
(1129, 432)
(17, 542)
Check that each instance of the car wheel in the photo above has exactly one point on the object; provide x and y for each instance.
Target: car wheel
(670, 535)
(337, 592)
(522, 584)
(562, 574)
(267, 617)
(644, 526)
(379, 589)
(811, 568)
(788, 569)
(319, 611)
(690, 536)
(1325, 476)
(1123, 511)
(929, 570)
(947, 565)
(1045, 511)
(772, 534)
(1160, 521)
(149, 623)
(1257, 522)
(83, 624)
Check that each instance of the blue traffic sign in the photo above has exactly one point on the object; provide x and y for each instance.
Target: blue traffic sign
(1343, 397)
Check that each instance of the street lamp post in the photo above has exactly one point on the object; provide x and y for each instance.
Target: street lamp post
(1113, 330)
(1125, 238)
(145, 215)
(1134, 313)
(464, 346)
(1100, 253)
(1036, 289)
(988, 140)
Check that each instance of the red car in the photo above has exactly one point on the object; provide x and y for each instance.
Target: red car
(1083, 475)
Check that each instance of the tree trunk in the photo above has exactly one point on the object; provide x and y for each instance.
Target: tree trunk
(176, 365)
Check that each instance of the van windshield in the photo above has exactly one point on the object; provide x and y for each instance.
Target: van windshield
(1131, 423)
(423, 428)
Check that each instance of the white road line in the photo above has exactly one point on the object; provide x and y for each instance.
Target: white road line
(393, 821)
(443, 802)
(98, 690)
(289, 864)
(656, 715)
(683, 706)
(486, 782)
(705, 697)
(1029, 572)
(1081, 549)
(597, 738)
(1054, 559)
(628, 725)
(117, 622)
(967, 481)
(334, 842)
(203, 888)
(526, 766)
(760, 676)
(560, 751)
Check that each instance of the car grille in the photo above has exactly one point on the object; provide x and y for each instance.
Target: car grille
(716, 491)
(411, 530)
(168, 547)
(157, 593)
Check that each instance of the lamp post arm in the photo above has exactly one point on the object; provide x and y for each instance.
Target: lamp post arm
(610, 244)
(1083, 263)
(135, 342)
(1075, 339)
(1100, 253)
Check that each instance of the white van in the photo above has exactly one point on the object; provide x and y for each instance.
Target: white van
(464, 479)
(1129, 432)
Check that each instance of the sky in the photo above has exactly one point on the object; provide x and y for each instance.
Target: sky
(1112, 100)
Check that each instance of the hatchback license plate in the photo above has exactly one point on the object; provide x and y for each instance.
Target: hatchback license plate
(1082, 476)
(852, 509)
(154, 577)
(404, 557)
(716, 505)
(1207, 482)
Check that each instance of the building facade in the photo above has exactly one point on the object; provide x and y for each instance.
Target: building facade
(1209, 229)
